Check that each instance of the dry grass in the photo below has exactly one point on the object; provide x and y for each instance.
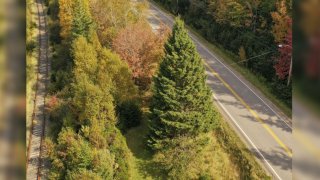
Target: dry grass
(31, 66)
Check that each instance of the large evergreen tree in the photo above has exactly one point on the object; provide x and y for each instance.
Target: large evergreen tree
(182, 103)
(182, 108)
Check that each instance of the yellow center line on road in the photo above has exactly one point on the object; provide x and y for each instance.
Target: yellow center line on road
(255, 115)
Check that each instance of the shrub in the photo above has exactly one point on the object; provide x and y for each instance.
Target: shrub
(54, 29)
(59, 79)
(205, 177)
(31, 45)
(130, 115)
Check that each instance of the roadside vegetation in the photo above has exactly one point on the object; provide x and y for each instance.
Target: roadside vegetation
(32, 52)
(247, 34)
(129, 102)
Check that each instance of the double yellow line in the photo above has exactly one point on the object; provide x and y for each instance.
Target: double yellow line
(255, 115)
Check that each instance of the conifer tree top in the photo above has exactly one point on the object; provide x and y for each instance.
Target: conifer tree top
(179, 39)
(182, 104)
(179, 27)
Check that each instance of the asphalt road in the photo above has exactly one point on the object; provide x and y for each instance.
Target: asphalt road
(306, 133)
(262, 126)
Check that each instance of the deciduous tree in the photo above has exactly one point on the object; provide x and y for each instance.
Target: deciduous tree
(66, 8)
(90, 123)
(281, 21)
(141, 48)
(283, 63)
(113, 15)
(230, 12)
(111, 67)
(75, 18)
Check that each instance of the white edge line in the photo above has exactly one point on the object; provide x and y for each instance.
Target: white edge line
(243, 83)
(246, 136)
(230, 116)
(228, 69)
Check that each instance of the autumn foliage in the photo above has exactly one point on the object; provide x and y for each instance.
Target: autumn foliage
(141, 48)
(282, 66)
(257, 25)
(52, 103)
(66, 17)
(282, 33)
(112, 15)
(281, 21)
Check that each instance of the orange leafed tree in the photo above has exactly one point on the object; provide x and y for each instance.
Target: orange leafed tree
(281, 22)
(141, 48)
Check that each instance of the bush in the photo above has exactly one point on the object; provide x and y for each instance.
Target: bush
(205, 177)
(31, 45)
(282, 91)
(54, 34)
(122, 154)
(59, 80)
(130, 115)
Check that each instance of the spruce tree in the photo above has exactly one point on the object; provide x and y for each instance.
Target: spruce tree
(82, 20)
(182, 112)
(182, 102)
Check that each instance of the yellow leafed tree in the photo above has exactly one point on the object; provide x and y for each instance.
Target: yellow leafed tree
(281, 21)
(112, 15)
(66, 17)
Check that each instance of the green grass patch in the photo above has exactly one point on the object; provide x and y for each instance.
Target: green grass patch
(146, 168)
(136, 141)
(231, 59)
(249, 168)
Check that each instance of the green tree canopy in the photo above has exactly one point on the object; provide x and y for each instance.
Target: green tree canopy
(90, 123)
(182, 103)
(82, 20)
(182, 109)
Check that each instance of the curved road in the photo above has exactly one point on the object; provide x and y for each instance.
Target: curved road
(265, 129)
(34, 157)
